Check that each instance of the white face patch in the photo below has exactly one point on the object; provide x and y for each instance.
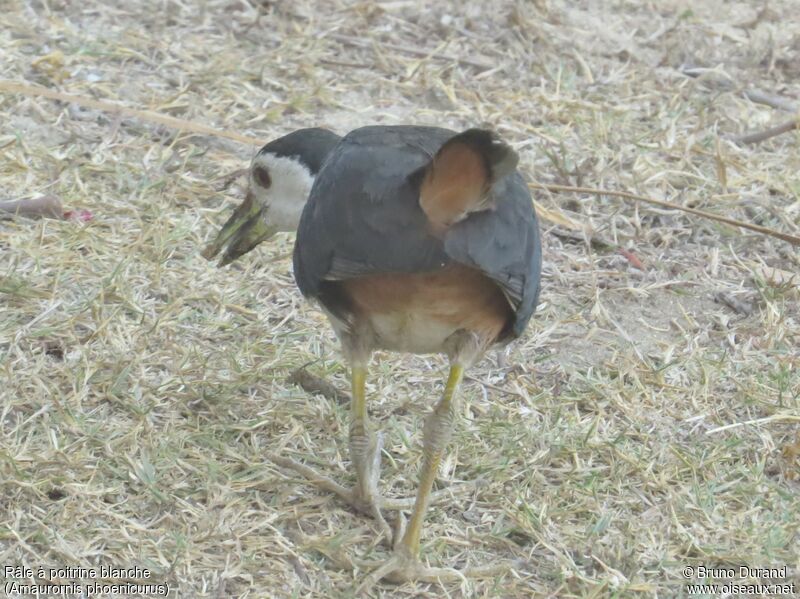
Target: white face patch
(290, 185)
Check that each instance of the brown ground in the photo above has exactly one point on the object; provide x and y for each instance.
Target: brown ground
(143, 385)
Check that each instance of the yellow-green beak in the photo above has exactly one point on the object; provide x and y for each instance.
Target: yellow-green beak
(245, 229)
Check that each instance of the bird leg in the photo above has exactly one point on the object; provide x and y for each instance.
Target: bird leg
(405, 564)
(365, 453)
(436, 435)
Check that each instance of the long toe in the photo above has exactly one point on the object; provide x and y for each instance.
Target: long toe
(403, 567)
(369, 505)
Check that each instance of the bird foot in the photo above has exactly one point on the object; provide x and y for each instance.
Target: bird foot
(403, 566)
(365, 453)
(370, 503)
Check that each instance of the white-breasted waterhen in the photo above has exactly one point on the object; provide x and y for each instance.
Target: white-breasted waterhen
(413, 239)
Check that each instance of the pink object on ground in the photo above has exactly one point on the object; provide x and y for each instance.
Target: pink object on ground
(80, 214)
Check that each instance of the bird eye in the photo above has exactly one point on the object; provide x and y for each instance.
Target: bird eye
(261, 176)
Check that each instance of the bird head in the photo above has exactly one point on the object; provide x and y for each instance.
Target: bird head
(277, 191)
(279, 183)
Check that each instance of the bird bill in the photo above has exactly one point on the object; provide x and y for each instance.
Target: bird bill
(245, 229)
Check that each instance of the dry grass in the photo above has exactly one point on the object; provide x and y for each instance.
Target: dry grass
(142, 385)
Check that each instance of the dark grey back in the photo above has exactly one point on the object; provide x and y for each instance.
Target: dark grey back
(363, 217)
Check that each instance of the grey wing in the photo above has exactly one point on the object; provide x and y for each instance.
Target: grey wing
(363, 214)
(504, 244)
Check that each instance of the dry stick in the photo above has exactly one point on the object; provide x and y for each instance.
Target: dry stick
(593, 239)
(759, 97)
(341, 63)
(774, 417)
(346, 39)
(793, 239)
(734, 303)
(47, 205)
(754, 138)
(752, 94)
(316, 385)
(168, 121)
(146, 115)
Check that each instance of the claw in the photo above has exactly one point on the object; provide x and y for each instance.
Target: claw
(385, 528)
(365, 451)
(403, 567)
(399, 529)
(393, 564)
(375, 466)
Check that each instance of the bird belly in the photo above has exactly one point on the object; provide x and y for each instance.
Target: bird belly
(418, 312)
(410, 332)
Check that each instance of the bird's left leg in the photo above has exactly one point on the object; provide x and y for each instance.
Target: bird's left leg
(365, 451)
(365, 454)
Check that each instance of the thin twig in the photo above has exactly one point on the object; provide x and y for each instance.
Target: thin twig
(592, 238)
(316, 385)
(494, 387)
(314, 477)
(754, 95)
(229, 178)
(779, 102)
(734, 303)
(757, 421)
(342, 63)
(793, 239)
(360, 43)
(14, 87)
(754, 138)
(168, 121)
(48, 206)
